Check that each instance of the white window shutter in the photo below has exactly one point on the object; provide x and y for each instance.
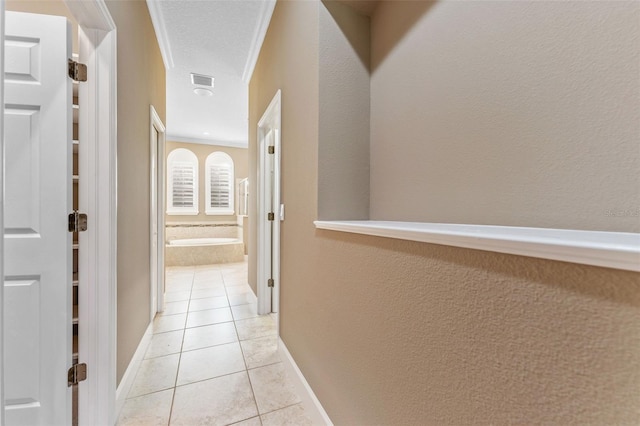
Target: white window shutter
(220, 186)
(182, 182)
(183, 190)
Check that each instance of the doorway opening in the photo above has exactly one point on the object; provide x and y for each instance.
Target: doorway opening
(205, 232)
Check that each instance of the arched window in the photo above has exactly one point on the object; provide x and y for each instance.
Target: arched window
(182, 185)
(219, 184)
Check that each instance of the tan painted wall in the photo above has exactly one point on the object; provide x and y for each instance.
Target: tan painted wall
(507, 113)
(396, 332)
(343, 147)
(241, 166)
(288, 61)
(137, 50)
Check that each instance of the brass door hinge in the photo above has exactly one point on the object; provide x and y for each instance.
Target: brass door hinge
(77, 374)
(77, 71)
(271, 216)
(77, 222)
(272, 149)
(270, 282)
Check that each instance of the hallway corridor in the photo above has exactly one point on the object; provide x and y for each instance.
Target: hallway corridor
(212, 360)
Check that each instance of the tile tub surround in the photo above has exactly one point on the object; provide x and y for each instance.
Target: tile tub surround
(179, 231)
(212, 360)
(204, 254)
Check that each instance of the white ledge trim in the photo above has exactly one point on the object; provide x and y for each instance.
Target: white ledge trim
(619, 250)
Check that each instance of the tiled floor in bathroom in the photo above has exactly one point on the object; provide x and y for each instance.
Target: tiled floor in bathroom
(212, 360)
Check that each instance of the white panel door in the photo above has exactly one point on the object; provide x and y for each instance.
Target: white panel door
(38, 262)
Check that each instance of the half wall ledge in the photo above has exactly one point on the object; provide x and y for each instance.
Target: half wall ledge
(618, 250)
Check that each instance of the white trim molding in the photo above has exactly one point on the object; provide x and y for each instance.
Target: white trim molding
(264, 18)
(2, 172)
(156, 211)
(269, 197)
(92, 14)
(98, 192)
(130, 373)
(312, 406)
(161, 33)
(619, 250)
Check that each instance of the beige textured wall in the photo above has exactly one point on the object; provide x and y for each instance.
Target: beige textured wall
(391, 332)
(241, 166)
(137, 50)
(343, 147)
(394, 332)
(288, 61)
(519, 113)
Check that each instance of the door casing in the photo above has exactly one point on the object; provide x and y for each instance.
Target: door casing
(2, 31)
(269, 299)
(158, 191)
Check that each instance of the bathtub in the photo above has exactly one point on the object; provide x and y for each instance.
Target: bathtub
(203, 251)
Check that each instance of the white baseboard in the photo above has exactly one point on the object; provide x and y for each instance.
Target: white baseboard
(313, 408)
(130, 374)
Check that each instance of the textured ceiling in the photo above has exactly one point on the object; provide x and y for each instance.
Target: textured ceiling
(211, 37)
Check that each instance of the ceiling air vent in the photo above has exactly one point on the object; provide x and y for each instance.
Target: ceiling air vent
(202, 80)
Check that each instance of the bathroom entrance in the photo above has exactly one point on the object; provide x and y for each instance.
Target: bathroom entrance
(205, 218)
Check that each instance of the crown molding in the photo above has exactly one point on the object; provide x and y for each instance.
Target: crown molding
(161, 33)
(231, 144)
(266, 11)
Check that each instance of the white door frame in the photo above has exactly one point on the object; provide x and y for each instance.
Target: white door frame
(268, 299)
(97, 197)
(158, 191)
(2, 31)
(97, 191)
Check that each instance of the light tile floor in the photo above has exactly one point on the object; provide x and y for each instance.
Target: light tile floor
(212, 360)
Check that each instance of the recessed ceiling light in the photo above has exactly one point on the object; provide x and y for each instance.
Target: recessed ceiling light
(202, 92)
(205, 133)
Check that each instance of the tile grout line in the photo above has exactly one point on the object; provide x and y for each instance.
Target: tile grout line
(175, 383)
(209, 378)
(244, 420)
(279, 409)
(184, 328)
(253, 393)
(221, 375)
(241, 350)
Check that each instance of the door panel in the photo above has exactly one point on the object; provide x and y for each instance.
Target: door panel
(22, 150)
(37, 306)
(24, 292)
